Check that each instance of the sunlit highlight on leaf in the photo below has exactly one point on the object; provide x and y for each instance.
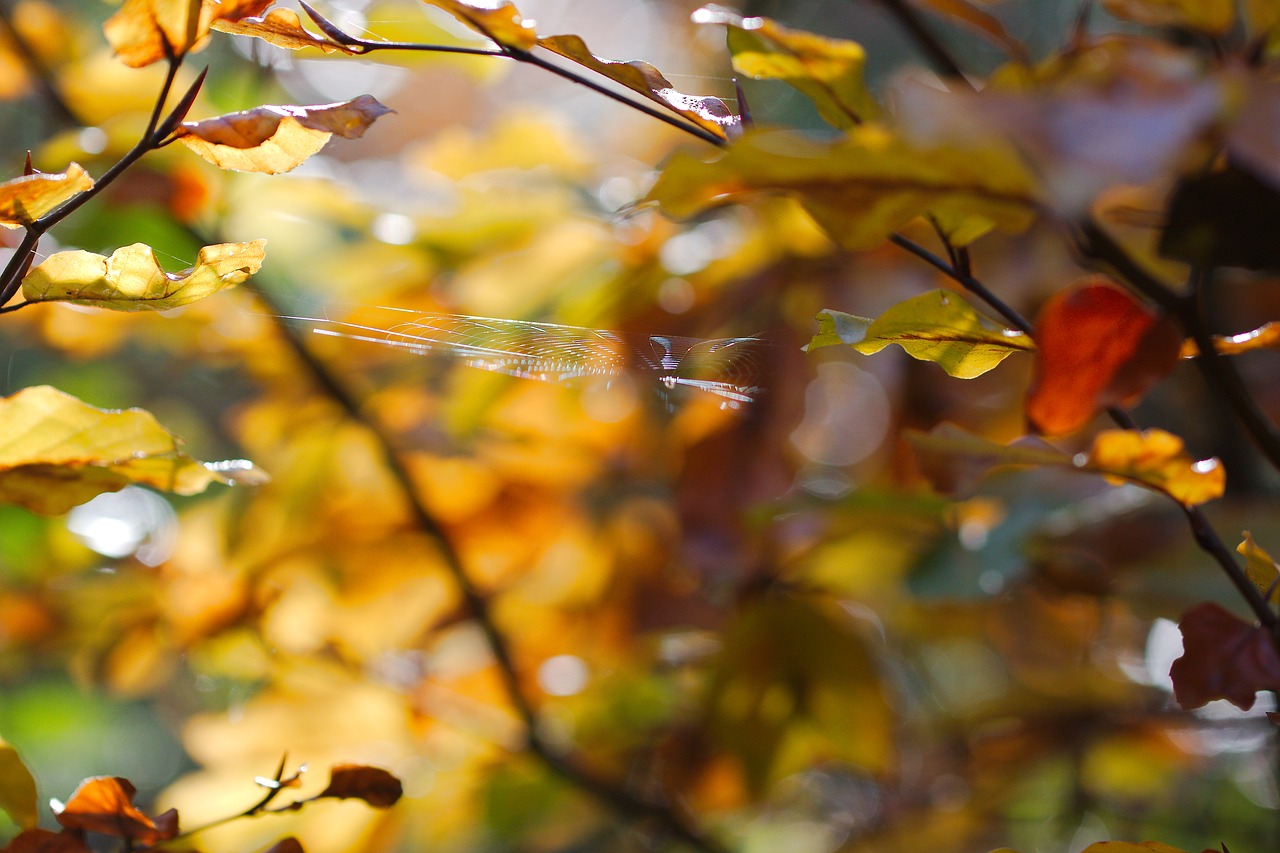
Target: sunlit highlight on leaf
(25, 199)
(282, 28)
(498, 20)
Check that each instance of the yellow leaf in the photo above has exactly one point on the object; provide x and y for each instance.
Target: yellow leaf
(1130, 847)
(24, 200)
(1156, 459)
(641, 77)
(132, 279)
(140, 30)
(499, 21)
(1266, 336)
(57, 452)
(275, 139)
(937, 326)
(282, 28)
(1211, 16)
(828, 71)
(858, 188)
(1260, 567)
(17, 788)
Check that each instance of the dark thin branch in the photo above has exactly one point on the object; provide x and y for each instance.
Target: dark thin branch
(39, 72)
(939, 57)
(968, 282)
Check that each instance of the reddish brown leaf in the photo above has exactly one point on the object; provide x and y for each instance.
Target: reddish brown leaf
(1097, 347)
(1223, 657)
(286, 845)
(282, 28)
(374, 785)
(104, 804)
(44, 841)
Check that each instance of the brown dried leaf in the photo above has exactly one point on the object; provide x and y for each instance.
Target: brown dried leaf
(140, 30)
(374, 785)
(706, 112)
(286, 845)
(282, 28)
(275, 139)
(500, 22)
(1223, 657)
(45, 841)
(104, 804)
(983, 22)
(24, 200)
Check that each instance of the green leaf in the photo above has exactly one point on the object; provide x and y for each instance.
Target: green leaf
(17, 788)
(937, 326)
(859, 188)
(57, 452)
(132, 279)
(828, 71)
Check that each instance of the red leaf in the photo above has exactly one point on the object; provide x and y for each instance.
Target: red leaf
(374, 785)
(286, 845)
(104, 804)
(1223, 657)
(44, 841)
(1097, 347)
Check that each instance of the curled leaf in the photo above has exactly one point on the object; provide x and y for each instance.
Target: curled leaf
(1260, 567)
(828, 71)
(1097, 347)
(374, 785)
(859, 188)
(132, 279)
(937, 326)
(282, 28)
(24, 200)
(706, 112)
(1158, 460)
(275, 139)
(57, 452)
(17, 788)
(499, 21)
(1223, 657)
(104, 804)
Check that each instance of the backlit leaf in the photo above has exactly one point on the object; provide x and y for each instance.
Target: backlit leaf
(828, 71)
(1266, 336)
(1260, 567)
(1097, 347)
(282, 28)
(641, 77)
(498, 20)
(25, 199)
(937, 326)
(275, 139)
(1223, 657)
(43, 841)
(104, 804)
(859, 188)
(374, 785)
(132, 279)
(17, 788)
(140, 30)
(1211, 16)
(57, 452)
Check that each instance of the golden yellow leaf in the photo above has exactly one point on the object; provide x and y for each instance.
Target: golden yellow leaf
(1260, 567)
(828, 71)
(498, 21)
(1211, 16)
(282, 28)
(24, 200)
(145, 31)
(275, 139)
(132, 279)
(1157, 459)
(57, 452)
(706, 112)
(1130, 847)
(17, 788)
(1266, 336)
(858, 188)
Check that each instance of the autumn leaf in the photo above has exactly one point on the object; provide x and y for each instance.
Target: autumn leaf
(1215, 17)
(17, 788)
(132, 279)
(981, 22)
(1130, 847)
(374, 785)
(1260, 567)
(499, 21)
(828, 71)
(706, 112)
(25, 199)
(286, 845)
(1097, 347)
(275, 139)
(145, 31)
(282, 28)
(1266, 336)
(1223, 657)
(859, 188)
(44, 841)
(58, 452)
(104, 804)
(937, 326)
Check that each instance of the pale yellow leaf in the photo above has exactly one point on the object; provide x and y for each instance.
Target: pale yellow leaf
(24, 200)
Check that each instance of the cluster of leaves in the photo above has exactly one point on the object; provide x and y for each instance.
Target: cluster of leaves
(428, 555)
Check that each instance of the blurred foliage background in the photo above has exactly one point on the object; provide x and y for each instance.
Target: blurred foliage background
(760, 616)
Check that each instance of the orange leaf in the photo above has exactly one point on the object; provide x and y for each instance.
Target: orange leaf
(1223, 657)
(1157, 459)
(500, 22)
(104, 804)
(374, 785)
(282, 28)
(141, 29)
(275, 139)
(1266, 336)
(44, 841)
(24, 200)
(641, 77)
(1097, 347)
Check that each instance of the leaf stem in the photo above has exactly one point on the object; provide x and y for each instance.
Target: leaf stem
(939, 57)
